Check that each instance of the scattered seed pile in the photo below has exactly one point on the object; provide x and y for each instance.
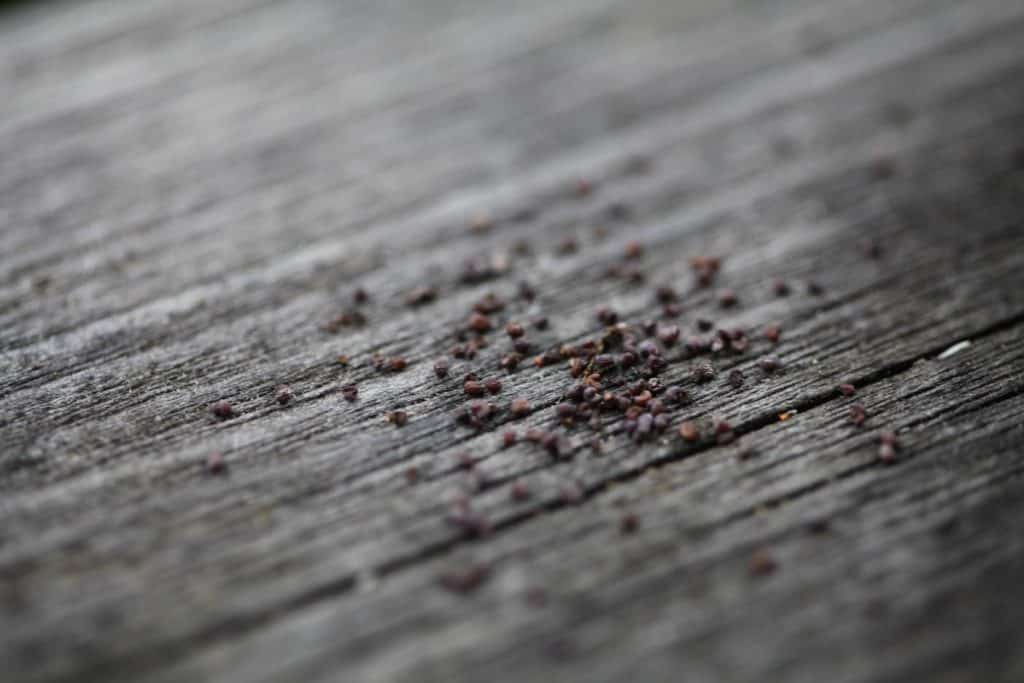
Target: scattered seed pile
(612, 380)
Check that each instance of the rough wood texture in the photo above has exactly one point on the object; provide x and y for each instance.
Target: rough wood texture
(190, 191)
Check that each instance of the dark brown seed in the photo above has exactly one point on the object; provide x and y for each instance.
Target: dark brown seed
(847, 389)
(222, 409)
(534, 435)
(582, 188)
(520, 407)
(689, 431)
(480, 224)
(514, 330)
(398, 418)
(490, 303)
(634, 250)
(633, 276)
(872, 249)
(483, 410)
(772, 333)
(705, 268)
(477, 270)
(668, 335)
(475, 481)
(769, 364)
(473, 388)
(702, 372)
(521, 347)
(705, 325)
(698, 345)
(540, 322)
(644, 426)
(420, 296)
(396, 364)
(565, 410)
(858, 414)
(521, 247)
(677, 395)
(465, 580)
(571, 493)
(509, 438)
(814, 288)
(618, 211)
(727, 298)
(478, 322)
(818, 526)
(346, 319)
(441, 368)
(568, 245)
(349, 392)
(606, 316)
(889, 437)
(736, 379)
(656, 364)
(360, 296)
(526, 291)
(552, 444)
(666, 294)
(629, 523)
(519, 491)
(762, 564)
(604, 360)
(780, 287)
(284, 395)
(493, 385)
(510, 361)
(215, 463)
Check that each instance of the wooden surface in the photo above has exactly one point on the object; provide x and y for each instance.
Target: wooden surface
(190, 191)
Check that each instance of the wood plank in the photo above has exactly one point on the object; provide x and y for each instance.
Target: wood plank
(211, 217)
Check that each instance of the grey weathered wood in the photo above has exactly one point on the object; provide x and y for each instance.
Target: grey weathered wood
(187, 195)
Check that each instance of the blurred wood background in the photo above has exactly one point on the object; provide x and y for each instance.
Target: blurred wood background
(190, 190)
